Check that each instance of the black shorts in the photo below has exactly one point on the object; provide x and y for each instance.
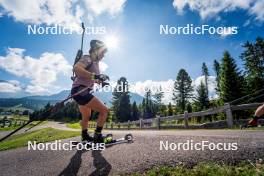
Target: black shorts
(82, 98)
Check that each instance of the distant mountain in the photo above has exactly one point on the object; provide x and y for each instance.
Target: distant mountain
(37, 102)
(59, 96)
(25, 102)
(19, 94)
(106, 97)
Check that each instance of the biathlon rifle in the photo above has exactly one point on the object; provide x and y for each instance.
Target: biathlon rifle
(79, 52)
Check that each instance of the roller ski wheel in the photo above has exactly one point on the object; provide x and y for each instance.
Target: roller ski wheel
(129, 137)
(109, 135)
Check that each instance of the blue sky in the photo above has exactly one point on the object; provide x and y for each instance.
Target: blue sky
(142, 53)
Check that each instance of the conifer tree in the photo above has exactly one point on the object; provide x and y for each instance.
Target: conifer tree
(205, 73)
(135, 112)
(183, 90)
(202, 97)
(253, 58)
(121, 101)
(170, 110)
(230, 79)
(217, 73)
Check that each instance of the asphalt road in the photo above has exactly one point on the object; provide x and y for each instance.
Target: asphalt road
(143, 154)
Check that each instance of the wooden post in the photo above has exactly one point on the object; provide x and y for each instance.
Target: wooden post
(4, 121)
(158, 122)
(140, 123)
(186, 119)
(106, 125)
(128, 125)
(229, 116)
(112, 125)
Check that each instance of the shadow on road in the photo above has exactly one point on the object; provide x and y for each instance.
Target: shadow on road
(100, 163)
(74, 165)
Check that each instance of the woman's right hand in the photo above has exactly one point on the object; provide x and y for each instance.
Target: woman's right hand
(101, 77)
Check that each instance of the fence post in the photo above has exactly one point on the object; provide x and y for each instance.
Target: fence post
(4, 121)
(106, 125)
(140, 123)
(229, 116)
(128, 125)
(118, 125)
(186, 119)
(112, 125)
(158, 122)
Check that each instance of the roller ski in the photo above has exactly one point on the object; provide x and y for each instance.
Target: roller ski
(128, 138)
(107, 140)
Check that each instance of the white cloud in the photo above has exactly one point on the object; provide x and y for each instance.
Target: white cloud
(36, 89)
(113, 7)
(258, 10)
(102, 66)
(211, 85)
(141, 87)
(11, 86)
(41, 72)
(211, 8)
(63, 12)
(43, 11)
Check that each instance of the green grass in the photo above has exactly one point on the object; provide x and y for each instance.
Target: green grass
(43, 135)
(76, 125)
(206, 169)
(17, 117)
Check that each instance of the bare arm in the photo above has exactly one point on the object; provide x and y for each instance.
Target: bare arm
(79, 70)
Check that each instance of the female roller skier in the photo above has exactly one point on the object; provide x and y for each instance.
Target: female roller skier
(87, 74)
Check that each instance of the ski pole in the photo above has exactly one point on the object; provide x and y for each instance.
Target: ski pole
(34, 126)
(13, 132)
(51, 109)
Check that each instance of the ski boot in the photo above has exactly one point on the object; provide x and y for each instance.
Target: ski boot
(99, 138)
(252, 123)
(86, 137)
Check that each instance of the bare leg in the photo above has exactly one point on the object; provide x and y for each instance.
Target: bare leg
(86, 113)
(98, 106)
(260, 111)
